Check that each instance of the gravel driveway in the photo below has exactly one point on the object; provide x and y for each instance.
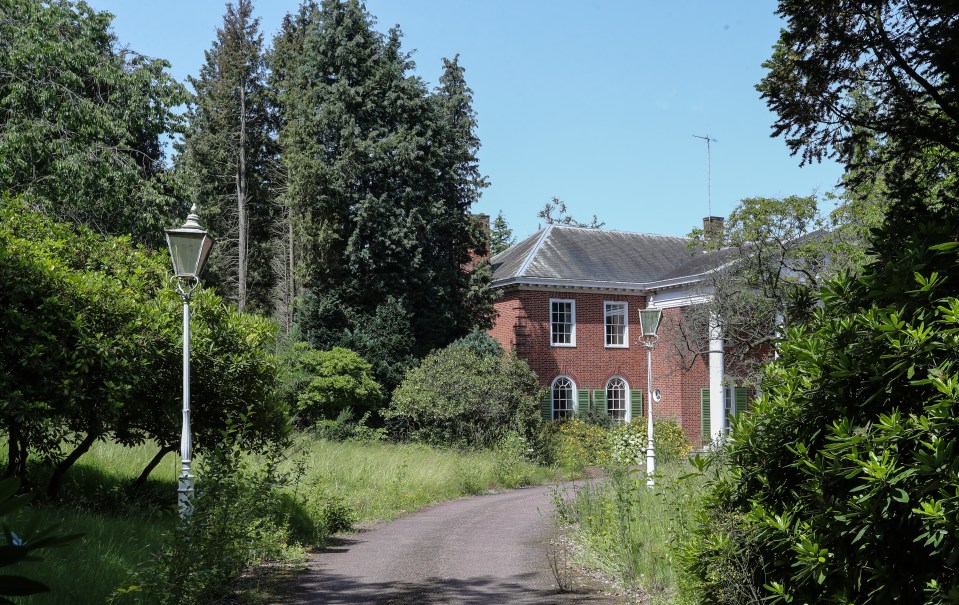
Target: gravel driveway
(489, 549)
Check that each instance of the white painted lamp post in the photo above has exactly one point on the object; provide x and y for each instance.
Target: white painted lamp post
(648, 324)
(189, 248)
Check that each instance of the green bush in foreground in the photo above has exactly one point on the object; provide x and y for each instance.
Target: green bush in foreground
(840, 485)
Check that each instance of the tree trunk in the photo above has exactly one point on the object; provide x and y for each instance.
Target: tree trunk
(60, 469)
(290, 285)
(13, 453)
(149, 468)
(241, 204)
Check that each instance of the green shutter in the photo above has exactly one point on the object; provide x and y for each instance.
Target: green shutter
(582, 401)
(635, 404)
(707, 434)
(740, 400)
(599, 399)
(547, 405)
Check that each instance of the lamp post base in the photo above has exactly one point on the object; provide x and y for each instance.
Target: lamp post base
(650, 464)
(185, 493)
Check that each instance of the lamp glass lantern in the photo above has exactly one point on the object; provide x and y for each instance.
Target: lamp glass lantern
(649, 321)
(190, 247)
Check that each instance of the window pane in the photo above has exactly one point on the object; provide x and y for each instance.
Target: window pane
(615, 324)
(561, 322)
(562, 398)
(616, 399)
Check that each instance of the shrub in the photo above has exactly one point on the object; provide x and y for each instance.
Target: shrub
(456, 397)
(840, 483)
(344, 427)
(481, 343)
(580, 444)
(236, 519)
(627, 442)
(670, 440)
(329, 383)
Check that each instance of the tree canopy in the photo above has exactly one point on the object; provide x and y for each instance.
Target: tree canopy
(83, 120)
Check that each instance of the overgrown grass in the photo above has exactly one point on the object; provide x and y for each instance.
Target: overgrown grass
(384, 480)
(363, 482)
(631, 531)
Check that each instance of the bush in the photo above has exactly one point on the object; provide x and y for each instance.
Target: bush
(579, 444)
(841, 482)
(481, 343)
(344, 427)
(671, 441)
(456, 397)
(325, 384)
(236, 519)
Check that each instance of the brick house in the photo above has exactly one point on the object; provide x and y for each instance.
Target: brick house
(569, 307)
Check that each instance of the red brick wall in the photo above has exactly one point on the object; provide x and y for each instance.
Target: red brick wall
(522, 325)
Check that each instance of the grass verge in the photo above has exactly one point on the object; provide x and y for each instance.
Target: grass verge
(630, 532)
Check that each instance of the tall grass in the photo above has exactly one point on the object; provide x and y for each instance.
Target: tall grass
(374, 481)
(631, 531)
(384, 480)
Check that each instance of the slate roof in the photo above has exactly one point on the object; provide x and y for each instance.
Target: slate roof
(560, 255)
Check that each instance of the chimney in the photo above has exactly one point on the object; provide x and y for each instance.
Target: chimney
(713, 227)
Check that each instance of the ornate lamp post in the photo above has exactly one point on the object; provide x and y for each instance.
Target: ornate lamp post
(189, 248)
(648, 324)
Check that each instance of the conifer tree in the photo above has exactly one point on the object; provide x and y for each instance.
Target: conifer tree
(379, 179)
(228, 155)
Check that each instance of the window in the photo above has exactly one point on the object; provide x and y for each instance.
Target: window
(617, 399)
(617, 332)
(729, 408)
(563, 402)
(562, 323)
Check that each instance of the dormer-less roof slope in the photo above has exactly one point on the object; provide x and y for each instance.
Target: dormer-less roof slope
(571, 256)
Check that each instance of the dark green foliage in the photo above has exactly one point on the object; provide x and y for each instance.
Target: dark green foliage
(501, 235)
(842, 480)
(383, 338)
(597, 416)
(82, 119)
(20, 545)
(456, 397)
(93, 348)
(481, 343)
(228, 159)
(844, 71)
(380, 176)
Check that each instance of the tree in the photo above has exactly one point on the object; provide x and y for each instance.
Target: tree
(380, 178)
(93, 349)
(83, 120)
(845, 70)
(560, 217)
(229, 157)
(767, 266)
(839, 482)
(501, 236)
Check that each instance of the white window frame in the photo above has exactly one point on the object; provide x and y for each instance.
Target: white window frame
(606, 314)
(571, 411)
(729, 408)
(572, 333)
(626, 401)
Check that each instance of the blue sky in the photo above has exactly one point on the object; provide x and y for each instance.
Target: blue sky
(593, 101)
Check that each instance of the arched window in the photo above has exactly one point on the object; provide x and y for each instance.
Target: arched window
(563, 403)
(617, 399)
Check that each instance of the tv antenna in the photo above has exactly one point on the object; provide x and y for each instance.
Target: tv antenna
(709, 173)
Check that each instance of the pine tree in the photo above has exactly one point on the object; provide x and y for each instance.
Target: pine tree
(380, 176)
(501, 235)
(228, 155)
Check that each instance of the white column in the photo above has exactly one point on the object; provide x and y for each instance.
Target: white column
(716, 372)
